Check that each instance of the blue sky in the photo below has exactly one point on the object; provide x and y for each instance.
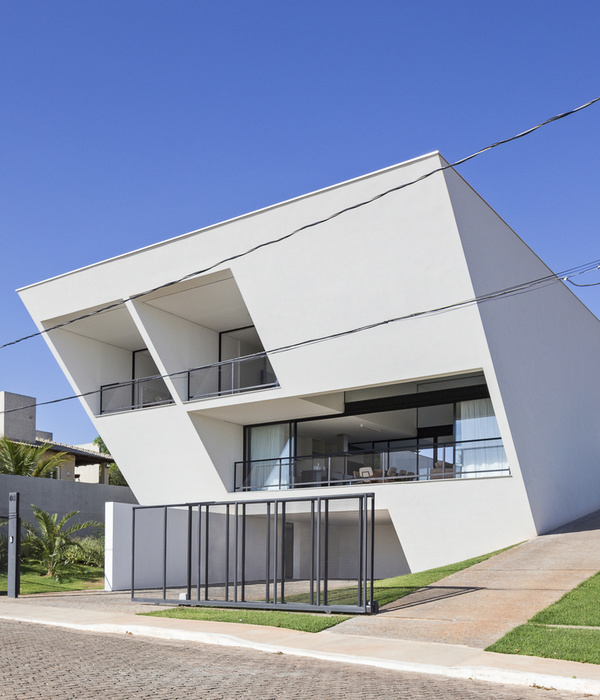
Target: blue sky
(124, 122)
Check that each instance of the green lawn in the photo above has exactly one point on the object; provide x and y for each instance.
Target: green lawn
(34, 581)
(305, 622)
(578, 607)
(386, 591)
(551, 643)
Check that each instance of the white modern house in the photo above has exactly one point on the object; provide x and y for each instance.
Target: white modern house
(474, 424)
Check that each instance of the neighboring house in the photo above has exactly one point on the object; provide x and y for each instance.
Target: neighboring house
(18, 423)
(95, 473)
(61, 494)
(473, 425)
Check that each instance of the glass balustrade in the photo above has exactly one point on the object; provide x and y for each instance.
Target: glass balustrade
(138, 393)
(453, 460)
(231, 377)
(222, 378)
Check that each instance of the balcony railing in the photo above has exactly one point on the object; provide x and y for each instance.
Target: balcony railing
(453, 460)
(137, 393)
(231, 377)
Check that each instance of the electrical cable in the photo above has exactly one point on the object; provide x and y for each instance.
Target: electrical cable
(302, 228)
(490, 296)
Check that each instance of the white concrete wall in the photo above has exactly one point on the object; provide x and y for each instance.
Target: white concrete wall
(420, 248)
(544, 348)
(195, 346)
(89, 364)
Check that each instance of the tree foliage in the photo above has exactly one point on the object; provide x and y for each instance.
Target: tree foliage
(115, 476)
(20, 459)
(50, 542)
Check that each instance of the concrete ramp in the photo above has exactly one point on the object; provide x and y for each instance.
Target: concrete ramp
(479, 605)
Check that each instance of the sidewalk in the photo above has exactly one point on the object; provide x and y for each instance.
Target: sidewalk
(466, 611)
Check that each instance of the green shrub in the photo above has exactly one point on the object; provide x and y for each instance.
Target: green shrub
(3, 552)
(50, 542)
(88, 551)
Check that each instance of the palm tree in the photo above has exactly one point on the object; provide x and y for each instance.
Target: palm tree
(21, 459)
(48, 544)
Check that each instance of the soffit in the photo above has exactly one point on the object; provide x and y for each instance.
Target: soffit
(217, 305)
(115, 327)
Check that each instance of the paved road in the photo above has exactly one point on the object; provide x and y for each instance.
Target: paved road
(37, 661)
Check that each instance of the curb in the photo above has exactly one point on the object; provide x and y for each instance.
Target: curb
(480, 673)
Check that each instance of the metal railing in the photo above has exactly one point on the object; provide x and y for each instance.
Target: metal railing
(136, 393)
(452, 460)
(217, 379)
(231, 377)
(248, 554)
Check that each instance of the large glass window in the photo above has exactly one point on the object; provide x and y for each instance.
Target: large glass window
(151, 391)
(441, 436)
(479, 447)
(270, 448)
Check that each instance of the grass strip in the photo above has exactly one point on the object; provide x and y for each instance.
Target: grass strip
(577, 607)
(305, 622)
(34, 581)
(551, 643)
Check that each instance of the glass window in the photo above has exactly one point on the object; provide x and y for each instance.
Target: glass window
(270, 450)
(479, 448)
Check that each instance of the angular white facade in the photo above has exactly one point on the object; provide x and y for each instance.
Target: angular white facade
(475, 422)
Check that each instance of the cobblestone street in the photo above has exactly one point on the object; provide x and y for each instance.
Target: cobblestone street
(38, 661)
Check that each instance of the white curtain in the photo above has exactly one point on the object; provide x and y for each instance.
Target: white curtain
(476, 422)
(269, 443)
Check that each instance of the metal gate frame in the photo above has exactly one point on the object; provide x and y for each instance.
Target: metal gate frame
(13, 546)
(275, 555)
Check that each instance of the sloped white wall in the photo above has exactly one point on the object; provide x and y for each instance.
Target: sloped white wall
(544, 347)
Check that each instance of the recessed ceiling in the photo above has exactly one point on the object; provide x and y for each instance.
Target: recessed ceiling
(115, 327)
(217, 305)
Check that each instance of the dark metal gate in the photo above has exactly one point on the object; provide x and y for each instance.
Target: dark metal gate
(3, 552)
(10, 547)
(285, 553)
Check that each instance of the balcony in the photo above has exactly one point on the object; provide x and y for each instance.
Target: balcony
(452, 460)
(136, 393)
(248, 373)
(235, 376)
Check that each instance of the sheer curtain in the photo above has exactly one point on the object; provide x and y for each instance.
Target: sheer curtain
(269, 443)
(475, 421)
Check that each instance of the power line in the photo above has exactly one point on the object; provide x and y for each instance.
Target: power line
(551, 278)
(304, 227)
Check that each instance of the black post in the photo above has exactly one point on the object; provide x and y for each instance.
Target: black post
(189, 553)
(165, 520)
(283, 552)
(275, 547)
(206, 554)
(14, 546)
(227, 547)
(199, 572)
(132, 553)
(235, 554)
(373, 604)
(268, 553)
(326, 561)
(365, 522)
(318, 552)
(312, 551)
(243, 552)
(360, 550)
